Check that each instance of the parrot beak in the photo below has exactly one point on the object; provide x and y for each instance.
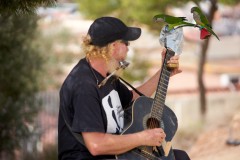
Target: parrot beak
(155, 19)
(192, 10)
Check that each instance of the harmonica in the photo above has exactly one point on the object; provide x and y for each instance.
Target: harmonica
(122, 65)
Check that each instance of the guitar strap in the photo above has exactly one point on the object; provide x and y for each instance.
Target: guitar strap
(137, 91)
(78, 136)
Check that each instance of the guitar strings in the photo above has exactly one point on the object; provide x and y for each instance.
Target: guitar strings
(160, 102)
(161, 94)
(164, 77)
(163, 84)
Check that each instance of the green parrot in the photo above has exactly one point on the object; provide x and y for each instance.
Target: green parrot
(172, 21)
(202, 20)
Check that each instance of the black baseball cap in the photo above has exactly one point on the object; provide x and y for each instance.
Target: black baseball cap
(105, 30)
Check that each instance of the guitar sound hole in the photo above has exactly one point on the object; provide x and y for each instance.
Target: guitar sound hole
(153, 123)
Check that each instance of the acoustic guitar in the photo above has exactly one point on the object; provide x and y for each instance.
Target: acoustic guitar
(148, 113)
(153, 113)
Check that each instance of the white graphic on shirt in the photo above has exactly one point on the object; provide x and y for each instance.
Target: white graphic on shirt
(114, 112)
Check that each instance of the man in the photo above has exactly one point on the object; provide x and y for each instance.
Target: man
(97, 112)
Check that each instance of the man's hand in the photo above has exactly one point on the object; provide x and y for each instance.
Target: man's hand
(173, 63)
(152, 137)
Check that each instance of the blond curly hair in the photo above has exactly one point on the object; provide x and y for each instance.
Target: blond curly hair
(93, 51)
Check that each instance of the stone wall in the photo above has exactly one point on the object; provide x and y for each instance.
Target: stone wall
(221, 106)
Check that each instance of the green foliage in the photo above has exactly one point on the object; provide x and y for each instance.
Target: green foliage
(20, 63)
(140, 11)
(22, 6)
(92, 8)
(129, 11)
(229, 2)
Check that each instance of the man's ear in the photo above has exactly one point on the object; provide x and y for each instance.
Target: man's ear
(113, 44)
(112, 48)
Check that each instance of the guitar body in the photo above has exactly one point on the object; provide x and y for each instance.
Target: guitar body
(137, 118)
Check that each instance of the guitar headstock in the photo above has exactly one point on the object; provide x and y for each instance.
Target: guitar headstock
(172, 39)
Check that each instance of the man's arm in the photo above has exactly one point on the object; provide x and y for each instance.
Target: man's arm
(149, 87)
(109, 144)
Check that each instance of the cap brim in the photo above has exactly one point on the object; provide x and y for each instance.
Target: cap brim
(132, 34)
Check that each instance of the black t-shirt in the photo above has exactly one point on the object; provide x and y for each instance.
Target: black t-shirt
(89, 108)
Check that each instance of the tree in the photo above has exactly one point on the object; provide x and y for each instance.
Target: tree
(202, 61)
(22, 6)
(203, 52)
(19, 63)
(20, 66)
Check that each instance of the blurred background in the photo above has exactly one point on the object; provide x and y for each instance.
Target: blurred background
(40, 43)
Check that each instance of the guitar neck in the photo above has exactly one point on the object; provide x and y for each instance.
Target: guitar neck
(161, 92)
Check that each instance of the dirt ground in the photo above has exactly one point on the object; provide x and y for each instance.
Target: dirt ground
(212, 145)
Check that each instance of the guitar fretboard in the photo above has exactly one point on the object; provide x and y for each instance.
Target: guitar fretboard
(161, 92)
